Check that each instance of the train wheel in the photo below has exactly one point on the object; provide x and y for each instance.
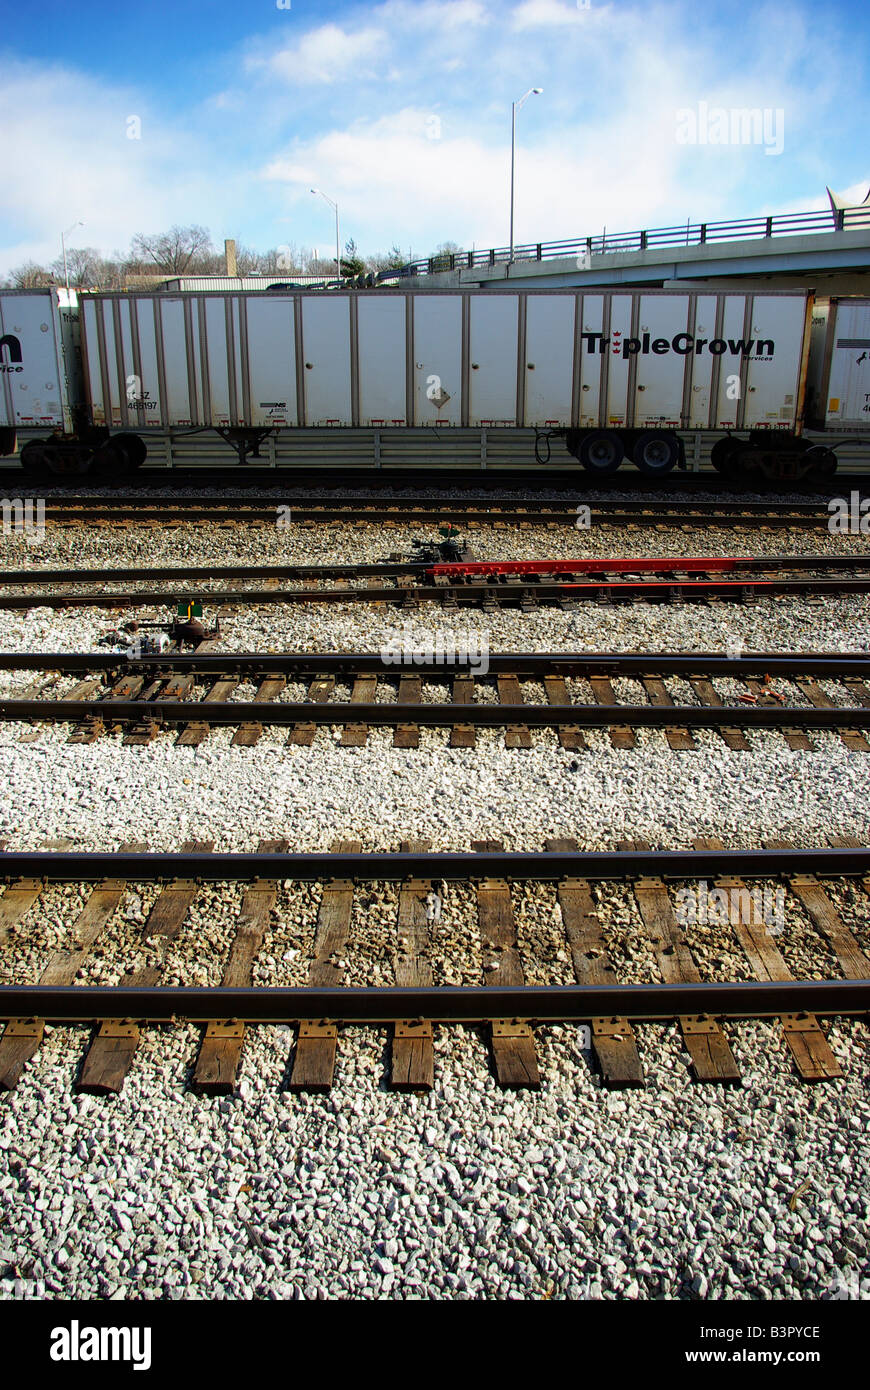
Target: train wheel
(68, 460)
(110, 461)
(34, 457)
(656, 452)
(721, 451)
(132, 447)
(824, 464)
(601, 452)
(725, 456)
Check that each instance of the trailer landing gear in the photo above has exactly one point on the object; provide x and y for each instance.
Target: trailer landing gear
(244, 441)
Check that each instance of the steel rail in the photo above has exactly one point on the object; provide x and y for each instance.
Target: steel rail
(76, 866)
(829, 665)
(519, 514)
(401, 501)
(469, 594)
(447, 1004)
(401, 475)
(487, 501)
(184, 574)
(283, 714)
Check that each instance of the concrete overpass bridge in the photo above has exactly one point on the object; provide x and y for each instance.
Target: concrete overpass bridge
(828, 251)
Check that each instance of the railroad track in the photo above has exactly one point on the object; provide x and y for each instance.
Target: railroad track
(217, 511)
(829, 885)
(676, 693)
(405, 477)
(486, 584)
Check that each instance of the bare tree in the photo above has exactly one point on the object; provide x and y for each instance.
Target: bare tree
(31, 276)
(174, 252)
(188, 250)
(82, 266)
(393, 259)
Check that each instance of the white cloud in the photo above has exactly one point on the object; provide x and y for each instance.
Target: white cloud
(429, 157)
(434, 15)
(65, 156)
(542, 14)
(324, 55)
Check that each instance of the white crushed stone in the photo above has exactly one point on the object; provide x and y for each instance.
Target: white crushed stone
(679, 1191)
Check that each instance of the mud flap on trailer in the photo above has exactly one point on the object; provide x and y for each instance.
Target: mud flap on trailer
(8, 439)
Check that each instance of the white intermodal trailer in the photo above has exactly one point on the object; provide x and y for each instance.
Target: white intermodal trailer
(839, 383)
(41, 382)
(619, 373)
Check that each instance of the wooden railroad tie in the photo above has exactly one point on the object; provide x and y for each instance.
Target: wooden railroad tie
(705, 1042)
(220, 1052)
(802, 1035)
(192, 735)
(363, 693)
(613, 1040)
(413, 1064)
(314, 1060)
(707, 694)
(621, 736)
(22, 1037)
(319, 693)
(463, 735)
(852, 960)
(113, 1048)
(410, 693)
(248, 734)
(513, 1045)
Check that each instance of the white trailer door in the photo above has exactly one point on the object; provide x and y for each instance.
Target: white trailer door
(701, 365)
(144, 405)
(731, 365)
(549, 364)
(658, 399)
(617, 405)
(848, 400)
(326, 359)
(493, 366)
(775, 365)
(271, 360)
(31, 392)
(180, 399)
(216, 367)
(592, 322)
(437, 359)
(382, 360)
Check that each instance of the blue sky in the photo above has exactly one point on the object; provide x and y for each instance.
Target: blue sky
(401, 112)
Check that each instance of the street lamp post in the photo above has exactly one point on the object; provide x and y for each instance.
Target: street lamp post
(63, 237)
(536, 92)
(337, 234)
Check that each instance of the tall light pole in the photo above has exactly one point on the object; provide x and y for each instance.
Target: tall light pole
(532, 92)
(63, 237)
(337, 235)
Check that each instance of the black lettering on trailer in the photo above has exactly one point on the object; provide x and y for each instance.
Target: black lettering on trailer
(12, 345)
(589, 340)
(764, 347)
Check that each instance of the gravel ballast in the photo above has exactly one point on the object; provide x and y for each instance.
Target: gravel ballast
(679, 1191)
